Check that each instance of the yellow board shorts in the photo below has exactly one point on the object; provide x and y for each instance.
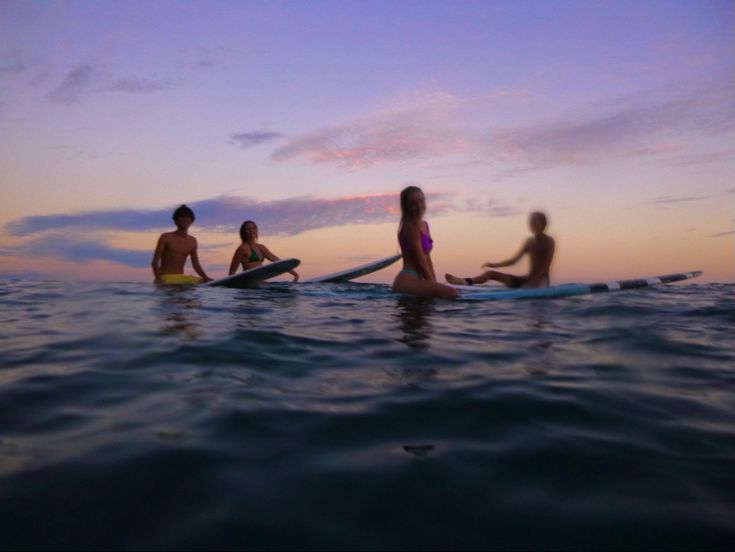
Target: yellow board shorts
(180, 279)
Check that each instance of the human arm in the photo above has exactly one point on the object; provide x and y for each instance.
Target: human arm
(197, 267)
(236, 260)
(509, 262)
(272, 257)
(268, 254)
(157, 254)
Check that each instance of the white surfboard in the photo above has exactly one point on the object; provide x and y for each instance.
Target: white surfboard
(356, 272)
(250, 277)
(493, 293)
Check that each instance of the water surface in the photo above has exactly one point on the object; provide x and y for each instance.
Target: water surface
(139, 417)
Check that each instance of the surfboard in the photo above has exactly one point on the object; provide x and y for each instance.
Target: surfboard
(250, 277)
(356, 272)
(482, 293)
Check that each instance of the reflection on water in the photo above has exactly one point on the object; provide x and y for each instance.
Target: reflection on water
(178, 306)
(414, 321)
(540, 340)
(323, 416)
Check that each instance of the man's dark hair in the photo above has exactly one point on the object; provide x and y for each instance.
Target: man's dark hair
(183, 211)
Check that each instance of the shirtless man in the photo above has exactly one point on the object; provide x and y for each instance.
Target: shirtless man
(173, 249)
(540, 248)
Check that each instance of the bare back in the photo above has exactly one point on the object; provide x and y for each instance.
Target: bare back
(540, 250)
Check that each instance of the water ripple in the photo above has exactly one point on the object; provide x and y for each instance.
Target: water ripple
(345, 417)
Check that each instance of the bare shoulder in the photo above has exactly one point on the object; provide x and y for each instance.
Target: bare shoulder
(546, 243)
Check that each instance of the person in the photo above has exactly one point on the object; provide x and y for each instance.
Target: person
(417, 276)
(174, 248)
(540, 249)
(251, 253)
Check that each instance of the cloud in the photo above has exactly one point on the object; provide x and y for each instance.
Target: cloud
(421, 131)
(22, 275)
(655, 149)
(85, 79)
(74, 84)
(444, 125)
(225, 214)
(489, 207)
(595, 137)
(203, 58)
(67, 236)
(139, 86)
(253, 138)
(81, 250)
(117, 220)
(661, 200)
(203, 64)
(682, 199)
(721, 234)
(699, 158)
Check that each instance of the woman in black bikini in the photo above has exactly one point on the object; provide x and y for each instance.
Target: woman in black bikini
(251, 253)
(417, 276)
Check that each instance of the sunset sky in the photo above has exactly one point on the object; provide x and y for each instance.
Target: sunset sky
(616, 118)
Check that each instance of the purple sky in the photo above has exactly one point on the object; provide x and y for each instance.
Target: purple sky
(497, 107)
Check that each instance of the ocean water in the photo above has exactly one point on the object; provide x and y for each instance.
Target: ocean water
(315, 417)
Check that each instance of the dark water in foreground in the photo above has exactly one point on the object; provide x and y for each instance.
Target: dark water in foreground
(134, 417)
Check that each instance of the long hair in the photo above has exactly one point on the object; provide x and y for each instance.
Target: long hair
(243, 235)
(405, 194)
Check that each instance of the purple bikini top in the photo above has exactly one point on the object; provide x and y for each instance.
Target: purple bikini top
(426, 242)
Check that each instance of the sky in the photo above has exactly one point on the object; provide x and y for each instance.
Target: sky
(616, 118)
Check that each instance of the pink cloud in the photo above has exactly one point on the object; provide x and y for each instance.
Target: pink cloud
(444, 125)
(397, 135)
(590, 138)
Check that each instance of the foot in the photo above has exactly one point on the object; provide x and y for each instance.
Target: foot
(454, 280)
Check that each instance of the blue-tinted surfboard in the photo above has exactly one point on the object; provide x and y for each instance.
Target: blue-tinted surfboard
(482, 293)
(248, 278)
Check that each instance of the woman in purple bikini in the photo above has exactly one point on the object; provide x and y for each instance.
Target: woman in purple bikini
(417, 276)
